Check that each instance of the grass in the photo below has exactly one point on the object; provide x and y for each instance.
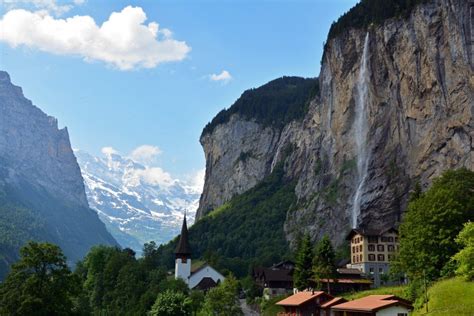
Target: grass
(393, 290)
(270, 309)
(449, 297)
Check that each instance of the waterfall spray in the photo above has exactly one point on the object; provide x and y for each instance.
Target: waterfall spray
(361, 130)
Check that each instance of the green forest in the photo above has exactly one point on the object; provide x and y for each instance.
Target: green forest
(274, 104)
(368, 12)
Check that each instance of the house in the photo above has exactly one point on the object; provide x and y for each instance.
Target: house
(374, 305)
(326, 307)
(203, 277)
(372, 251)
(276, 280)
(305, 303)
(346, 280)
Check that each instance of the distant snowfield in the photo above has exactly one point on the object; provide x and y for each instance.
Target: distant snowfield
(135, 207)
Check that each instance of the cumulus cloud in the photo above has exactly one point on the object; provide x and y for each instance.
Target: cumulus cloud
(154, 176)
(223, 77)
(108, 151)
(47, 5)
(197, 180)
(123, 41)
(145, 154)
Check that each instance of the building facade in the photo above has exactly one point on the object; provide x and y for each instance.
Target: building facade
(372, 251)
(203, 278)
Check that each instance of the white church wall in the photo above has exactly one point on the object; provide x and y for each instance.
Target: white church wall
(182, 269)
(206, 272)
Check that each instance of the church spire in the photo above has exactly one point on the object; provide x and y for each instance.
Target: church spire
(183, 249)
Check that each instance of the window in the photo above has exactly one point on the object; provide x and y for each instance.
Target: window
(380, 257)
(371, 270)
(402, 314)
(360, 257)
(353, 250)
(391, 248)
(380, 248)
(396, 239)
(360, 248)
(390, 239)
(371, 258)
(390, 257)
(381, 270)
(353, 259)
(384, 239)
(373, 239)
(371, 247)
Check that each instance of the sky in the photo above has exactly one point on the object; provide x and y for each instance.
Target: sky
(142, 78)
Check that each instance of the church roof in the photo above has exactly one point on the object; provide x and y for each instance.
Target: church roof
(183, 247)
(205, 284)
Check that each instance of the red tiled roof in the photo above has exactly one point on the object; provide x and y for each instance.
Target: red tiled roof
(299, 298)
(372, 303)
(334, 301)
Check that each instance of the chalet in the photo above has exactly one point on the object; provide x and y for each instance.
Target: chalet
(305, 303)
(346, 280)
(203, 277)
(372, 251)
(276, 280)
(326, 307)
(374, 305)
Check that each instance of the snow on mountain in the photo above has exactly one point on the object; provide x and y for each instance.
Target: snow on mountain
(137, 203)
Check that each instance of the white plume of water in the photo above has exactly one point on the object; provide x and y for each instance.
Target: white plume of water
(361, 130)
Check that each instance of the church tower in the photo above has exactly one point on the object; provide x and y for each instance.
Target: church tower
(182, 253)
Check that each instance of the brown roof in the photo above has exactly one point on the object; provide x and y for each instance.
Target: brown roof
(334, 301)
(349, 271)
(183, 247)
(372, 303)
(369, 232)
(205, 284)
(300, 298)
(348, 281)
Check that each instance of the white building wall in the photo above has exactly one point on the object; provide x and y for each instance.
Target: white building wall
(182, 269)
(206, 272)
(393, 311)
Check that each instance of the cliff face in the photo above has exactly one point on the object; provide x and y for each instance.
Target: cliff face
(40, 183)
(396, 106)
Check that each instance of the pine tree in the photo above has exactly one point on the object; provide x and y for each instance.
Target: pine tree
(304, 262)
(324, 266)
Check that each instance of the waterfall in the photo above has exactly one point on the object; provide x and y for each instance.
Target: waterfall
(361, 130)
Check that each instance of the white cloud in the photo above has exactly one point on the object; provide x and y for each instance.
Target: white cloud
(145, 154)
(197, 180)
(108, 151)
(223, 77)
(123, 41)
(48, 5)
(155, 176)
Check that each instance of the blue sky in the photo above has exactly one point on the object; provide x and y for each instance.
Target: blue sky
(104, 103)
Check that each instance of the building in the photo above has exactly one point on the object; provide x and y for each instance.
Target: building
(202, 278)
(276, 280)
(305, 303)
(372, 251)
(374, 305)
(326, 307)
(346, 280)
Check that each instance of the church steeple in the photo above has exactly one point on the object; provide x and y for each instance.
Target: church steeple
(183, 249)
(182, 268)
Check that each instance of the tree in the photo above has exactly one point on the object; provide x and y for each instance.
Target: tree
(304, 263)
(40, 283)
(432, 222)
(171, 303)
(222, 300)
(465, 257)
(324, 266)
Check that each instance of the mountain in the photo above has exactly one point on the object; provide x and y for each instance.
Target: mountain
(394, 106)
(42, 194)
(138, 204)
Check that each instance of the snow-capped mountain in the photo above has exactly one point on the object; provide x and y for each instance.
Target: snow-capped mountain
(137, 203)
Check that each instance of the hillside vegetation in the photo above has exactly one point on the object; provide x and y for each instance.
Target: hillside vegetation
(246, 231)
(276, 103)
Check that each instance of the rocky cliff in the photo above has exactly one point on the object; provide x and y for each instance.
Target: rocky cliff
(39, 174)
(396, 106)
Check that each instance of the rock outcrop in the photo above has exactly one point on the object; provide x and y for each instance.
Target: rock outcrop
(417, 103)
(39, 173)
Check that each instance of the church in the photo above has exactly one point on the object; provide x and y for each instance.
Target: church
(203, 277)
